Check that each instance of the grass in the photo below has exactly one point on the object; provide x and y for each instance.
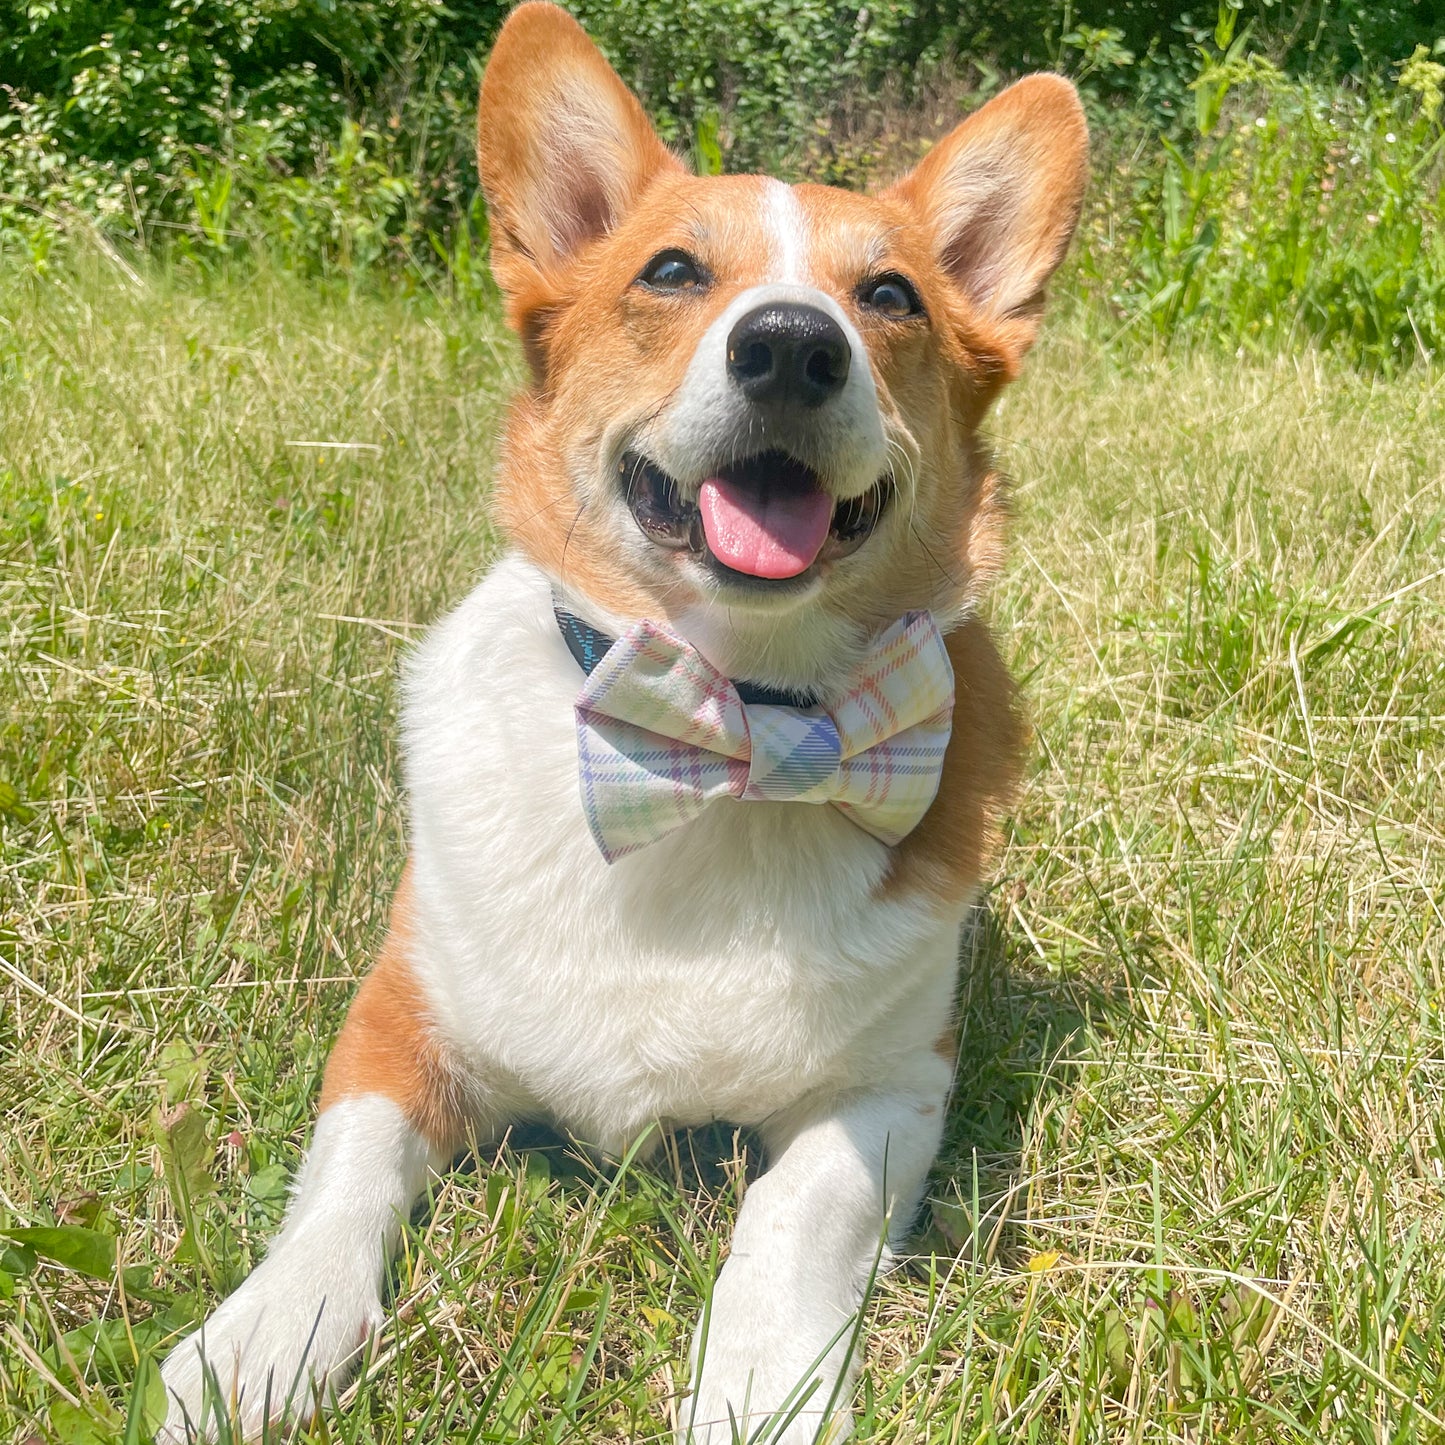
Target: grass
(1192, 1187)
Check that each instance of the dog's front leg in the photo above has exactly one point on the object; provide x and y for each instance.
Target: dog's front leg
(299, 1321)
(779, 1332)
(304, 1313)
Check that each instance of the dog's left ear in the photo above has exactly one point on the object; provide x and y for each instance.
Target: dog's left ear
(1001, 195)
(564, 150)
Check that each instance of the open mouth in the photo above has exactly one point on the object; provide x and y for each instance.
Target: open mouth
(768, 517)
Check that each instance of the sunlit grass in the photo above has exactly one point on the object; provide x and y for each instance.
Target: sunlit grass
(1193, 1180)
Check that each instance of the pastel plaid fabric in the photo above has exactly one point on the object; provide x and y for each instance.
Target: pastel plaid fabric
(661, 734)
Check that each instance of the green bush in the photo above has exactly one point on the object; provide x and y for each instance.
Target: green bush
(114, 106)
(1294, 211)
(1267, 172)
(758, 73)
(149, 114)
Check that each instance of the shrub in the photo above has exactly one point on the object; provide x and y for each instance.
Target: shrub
(761, 72)
(1293, 211)
(144, 114)
(1254, 184)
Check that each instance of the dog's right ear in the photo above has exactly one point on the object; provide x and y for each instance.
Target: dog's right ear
(564, 150)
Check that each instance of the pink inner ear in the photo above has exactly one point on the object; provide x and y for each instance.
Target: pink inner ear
(574, 199)
(1002, 195)
(975, 254)
(564, 149)
(572, 195)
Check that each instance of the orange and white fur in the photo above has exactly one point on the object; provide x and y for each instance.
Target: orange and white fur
(769, 964)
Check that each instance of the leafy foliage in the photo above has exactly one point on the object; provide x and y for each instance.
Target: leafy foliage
(1294, 210)
(146, 115)
(770, 68)
(1267, 173)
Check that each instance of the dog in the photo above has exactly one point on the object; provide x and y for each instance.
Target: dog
(704, 776)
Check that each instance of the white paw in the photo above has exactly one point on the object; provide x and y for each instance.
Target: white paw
(291, 1331)
(761, 1378)
(763, 1407)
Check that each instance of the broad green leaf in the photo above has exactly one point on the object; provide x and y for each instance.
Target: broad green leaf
(86, 1251)
(186, 1152)
(182, 1069)
(10, 804)
(268, 1185)
(16, 1259)
(1118, 1349)
(94, 1423)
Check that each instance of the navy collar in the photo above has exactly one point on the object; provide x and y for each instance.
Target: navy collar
(588, 646)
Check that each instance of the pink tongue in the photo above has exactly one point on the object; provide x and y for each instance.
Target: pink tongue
(773, 537)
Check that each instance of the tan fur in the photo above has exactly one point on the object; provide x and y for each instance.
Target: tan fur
(386, 1046)
(1001, 194)
(936, 383)
(564, 148)
(601, 348)
(978, 226)
(948, 852)
(581, 196)
(946, 1044)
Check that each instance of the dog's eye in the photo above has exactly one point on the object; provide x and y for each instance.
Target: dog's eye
(892, 295)
(672, 271)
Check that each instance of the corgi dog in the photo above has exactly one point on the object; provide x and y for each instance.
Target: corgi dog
(704, 775)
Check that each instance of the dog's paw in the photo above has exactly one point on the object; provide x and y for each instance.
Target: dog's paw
(757, 1378)
(757, 1407)
(269, 1352)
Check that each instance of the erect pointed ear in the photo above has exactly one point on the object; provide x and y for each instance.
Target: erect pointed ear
(1001, 195)
(563, 147)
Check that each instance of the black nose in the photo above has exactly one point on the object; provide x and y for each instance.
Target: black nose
(785, 352)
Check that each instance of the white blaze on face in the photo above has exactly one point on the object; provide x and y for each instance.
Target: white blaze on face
(788, 228)
(710, 422)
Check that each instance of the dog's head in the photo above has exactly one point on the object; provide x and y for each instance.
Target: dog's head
(753, 405)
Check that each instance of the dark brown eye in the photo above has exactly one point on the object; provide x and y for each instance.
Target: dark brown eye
(671, 271)
(892, 296)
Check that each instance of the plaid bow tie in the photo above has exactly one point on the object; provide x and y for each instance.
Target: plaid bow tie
(661, 733)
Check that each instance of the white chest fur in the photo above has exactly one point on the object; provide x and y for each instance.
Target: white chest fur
(724, 972)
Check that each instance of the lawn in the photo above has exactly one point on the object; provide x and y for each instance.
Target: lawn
(1192, 1188)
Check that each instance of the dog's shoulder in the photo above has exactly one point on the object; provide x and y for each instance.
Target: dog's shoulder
(946, 856)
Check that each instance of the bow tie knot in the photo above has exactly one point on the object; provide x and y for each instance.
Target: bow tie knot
(661, 733)
(793, 753)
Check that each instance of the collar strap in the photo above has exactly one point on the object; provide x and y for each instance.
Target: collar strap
(588, 646)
